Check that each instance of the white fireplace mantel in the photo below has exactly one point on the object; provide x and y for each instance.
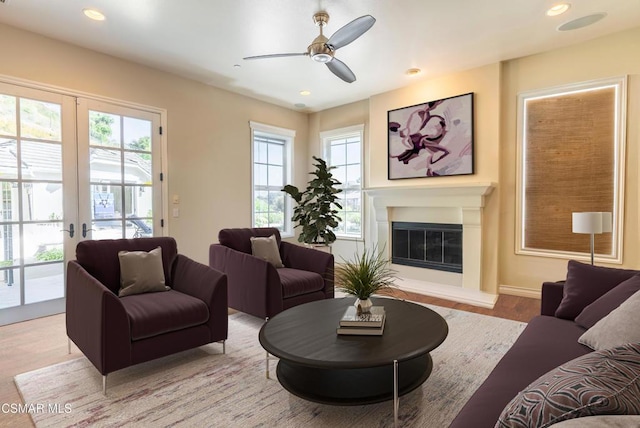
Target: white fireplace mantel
(468, 198)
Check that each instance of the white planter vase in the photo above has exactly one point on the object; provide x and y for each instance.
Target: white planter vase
(364, 304)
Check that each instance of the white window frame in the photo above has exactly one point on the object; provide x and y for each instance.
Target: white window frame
(326, 137)
(288, 135)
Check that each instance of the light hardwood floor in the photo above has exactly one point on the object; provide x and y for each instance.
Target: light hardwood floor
(42, 342)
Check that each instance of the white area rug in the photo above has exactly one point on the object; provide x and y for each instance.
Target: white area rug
(205, 388)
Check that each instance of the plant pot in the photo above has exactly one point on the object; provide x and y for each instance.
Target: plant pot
(364, 305)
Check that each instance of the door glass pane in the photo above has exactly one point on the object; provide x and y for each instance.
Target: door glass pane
(45, 282)
(41, 161)
(139, 228)
(9, 245)
(106, 202)
(104, 129)
(137, 134)
(8, 115)
(108, 229)
(137, 168)
(42, 201)
(9, 288)
(139, 201)
(42, 242)
(8, 158)
(106, 166)
(9, 209)
(39, 119)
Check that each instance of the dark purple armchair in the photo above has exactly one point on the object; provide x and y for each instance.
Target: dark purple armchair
(256, 287)
(116, 332)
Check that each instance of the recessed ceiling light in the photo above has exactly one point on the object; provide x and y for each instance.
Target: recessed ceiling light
(581, 22)
(236, 66)
(94, 14)
(305, 92)
(558, 9)
(413, 71)
(299, 105)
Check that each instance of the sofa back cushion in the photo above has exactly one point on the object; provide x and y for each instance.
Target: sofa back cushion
(585, 284)
(100, 258)
(608, 302)
(240, 239)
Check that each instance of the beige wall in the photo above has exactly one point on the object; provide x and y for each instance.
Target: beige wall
(207, 130)
(484, 82)
(610, 56)
(340, 117)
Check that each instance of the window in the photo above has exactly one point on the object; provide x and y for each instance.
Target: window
(570, 159)
(343, 150)
(271, 158)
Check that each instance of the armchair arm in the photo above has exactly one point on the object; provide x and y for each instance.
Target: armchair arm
(207, 284)
(96, 321)
(254, 284)
(552, 293)
(299, 257)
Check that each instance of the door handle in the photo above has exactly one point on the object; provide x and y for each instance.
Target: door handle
(85, 230)
(71, 230)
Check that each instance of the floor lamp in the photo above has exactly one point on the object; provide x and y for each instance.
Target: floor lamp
(592, 223)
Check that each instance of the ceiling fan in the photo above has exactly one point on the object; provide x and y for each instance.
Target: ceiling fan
(323, 49)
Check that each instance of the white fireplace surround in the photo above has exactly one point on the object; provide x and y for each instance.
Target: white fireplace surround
(469, 201)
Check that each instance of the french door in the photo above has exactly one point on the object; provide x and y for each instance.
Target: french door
(70, 169)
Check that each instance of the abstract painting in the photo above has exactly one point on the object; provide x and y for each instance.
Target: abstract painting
(431, 139)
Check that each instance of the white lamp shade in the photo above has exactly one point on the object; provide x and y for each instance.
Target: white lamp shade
(591, 222)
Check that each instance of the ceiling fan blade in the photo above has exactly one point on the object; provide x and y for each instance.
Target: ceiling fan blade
(351, 31)
(341, 70)
(276, 55)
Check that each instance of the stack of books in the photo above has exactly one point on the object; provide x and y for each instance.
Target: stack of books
(367, 324)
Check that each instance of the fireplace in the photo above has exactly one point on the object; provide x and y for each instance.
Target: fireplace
(436, 203)
(427, 245)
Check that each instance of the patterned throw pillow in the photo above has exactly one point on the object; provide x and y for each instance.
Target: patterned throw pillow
(600, 383)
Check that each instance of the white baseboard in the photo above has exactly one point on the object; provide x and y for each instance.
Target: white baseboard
(448, 292)
(520, 291)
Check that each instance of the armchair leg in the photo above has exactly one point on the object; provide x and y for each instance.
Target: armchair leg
(224, 347)
(104, 384)
(266, 361)
(68, 345)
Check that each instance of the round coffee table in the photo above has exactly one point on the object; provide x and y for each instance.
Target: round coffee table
(321, 366)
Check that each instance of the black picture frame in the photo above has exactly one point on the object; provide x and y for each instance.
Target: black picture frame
(432, 139)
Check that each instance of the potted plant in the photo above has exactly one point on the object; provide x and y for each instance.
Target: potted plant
(365, 275)
(315, 212)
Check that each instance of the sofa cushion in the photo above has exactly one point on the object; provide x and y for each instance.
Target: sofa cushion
(240, 239)
(141, 272)
(296, 282)
(599, 383)
(545, 343)
(585, 284)
(158, 313)
(608, 302)
(267, 250)
(620, 327)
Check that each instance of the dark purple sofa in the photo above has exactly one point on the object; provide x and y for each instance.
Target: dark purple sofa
(116, 332)
(548, 341)
(256, 287)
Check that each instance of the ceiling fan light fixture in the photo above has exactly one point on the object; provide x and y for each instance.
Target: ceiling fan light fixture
(322, 57)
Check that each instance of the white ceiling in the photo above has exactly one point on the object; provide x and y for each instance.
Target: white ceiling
(204, 39)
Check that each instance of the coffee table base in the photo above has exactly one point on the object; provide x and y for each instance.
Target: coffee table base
(350, 387)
